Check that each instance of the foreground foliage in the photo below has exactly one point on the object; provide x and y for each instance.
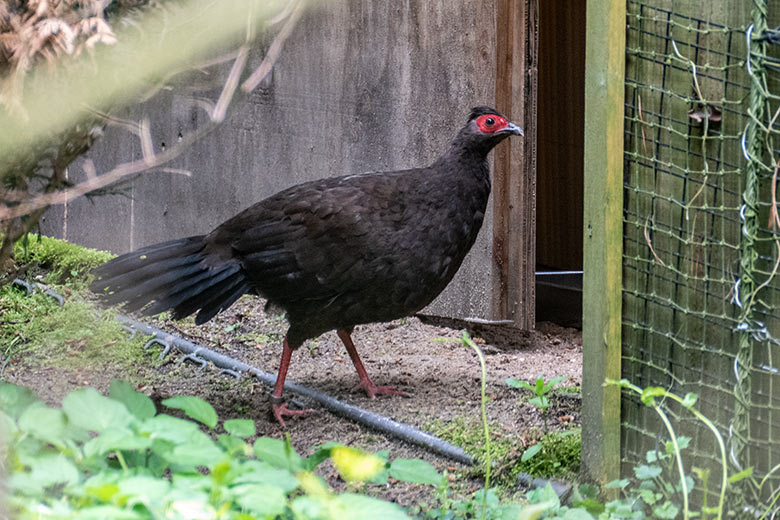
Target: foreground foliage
(35, 329)
(116, 457)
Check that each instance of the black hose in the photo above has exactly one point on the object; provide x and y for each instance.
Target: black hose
(355, 413)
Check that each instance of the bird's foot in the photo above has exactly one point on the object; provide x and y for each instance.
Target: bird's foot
(373, 390)
(280, 410)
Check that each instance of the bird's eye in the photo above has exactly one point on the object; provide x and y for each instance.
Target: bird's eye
(490, 123)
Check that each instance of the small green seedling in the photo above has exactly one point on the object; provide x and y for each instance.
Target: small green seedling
(541, 389)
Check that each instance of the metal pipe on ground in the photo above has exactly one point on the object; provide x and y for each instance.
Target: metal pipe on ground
(355, 413)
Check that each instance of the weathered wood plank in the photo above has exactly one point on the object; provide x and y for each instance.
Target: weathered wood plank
(514, 177)
(603, 236)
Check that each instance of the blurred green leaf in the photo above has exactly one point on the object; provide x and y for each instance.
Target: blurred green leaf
(645, 472)
(233, 445)
(690, 400)
(265, 500)
(275, 452)
(137, 403)
(15, 399)
(666, 511)
(617, 484)
(511, 381)
(361, 507)
(115, 439)
(649, 394)
(88, 409)
(195, 408)
(240, 427)
(259, 472)
(144, 490)
(171, 429)
(532, 512)
(45, 423)
(414, 470)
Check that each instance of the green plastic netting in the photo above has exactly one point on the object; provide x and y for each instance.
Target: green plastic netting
(701, 280)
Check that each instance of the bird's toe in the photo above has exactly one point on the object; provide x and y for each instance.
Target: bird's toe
(280, 410)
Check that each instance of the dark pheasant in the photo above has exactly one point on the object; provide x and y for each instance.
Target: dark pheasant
(332, 253)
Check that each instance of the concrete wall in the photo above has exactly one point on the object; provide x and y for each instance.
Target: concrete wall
(360, 86)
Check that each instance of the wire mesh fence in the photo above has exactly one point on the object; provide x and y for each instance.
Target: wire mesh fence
(701, 281)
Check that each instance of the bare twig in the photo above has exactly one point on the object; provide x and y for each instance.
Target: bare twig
(220, 110)
(650, 243)
(109, 119)
(768, 278)
(152, 160)
(145, 135)
(177, 171)
(774, 219)
(644, 137)
(44, 200)
(274, 50)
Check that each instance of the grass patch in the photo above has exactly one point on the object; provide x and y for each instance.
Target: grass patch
(559, 456)
(469, 435)
(69, 336)
(61, 260)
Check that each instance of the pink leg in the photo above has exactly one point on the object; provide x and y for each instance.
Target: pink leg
(365, 382)
(278, 405)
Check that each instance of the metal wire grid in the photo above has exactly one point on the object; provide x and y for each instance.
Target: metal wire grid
(690, 98)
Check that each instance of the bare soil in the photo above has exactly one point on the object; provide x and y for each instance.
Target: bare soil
(442, 379)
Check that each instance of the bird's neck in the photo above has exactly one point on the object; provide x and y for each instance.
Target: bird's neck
(465, 159)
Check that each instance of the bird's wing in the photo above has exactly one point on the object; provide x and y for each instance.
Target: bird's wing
(317, 240)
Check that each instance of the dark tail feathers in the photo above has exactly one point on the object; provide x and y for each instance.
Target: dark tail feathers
(175, 276)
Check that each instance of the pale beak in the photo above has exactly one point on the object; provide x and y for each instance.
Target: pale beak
(513, 129)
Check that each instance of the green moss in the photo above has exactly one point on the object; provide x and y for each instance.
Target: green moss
(559, 455)
(469, 435)
(62, 260)
(69, 336)
(259, 338)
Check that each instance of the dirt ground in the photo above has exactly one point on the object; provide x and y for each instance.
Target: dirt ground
(442, 379)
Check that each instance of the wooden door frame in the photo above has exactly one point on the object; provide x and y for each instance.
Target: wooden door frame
(514, 173)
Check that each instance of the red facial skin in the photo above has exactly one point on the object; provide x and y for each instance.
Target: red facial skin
(491, 123)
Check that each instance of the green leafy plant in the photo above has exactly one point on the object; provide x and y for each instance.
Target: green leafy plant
(483, 504)
(117, 457)
(665, 500)
(541, 389)
(467, 341)
(652, 489)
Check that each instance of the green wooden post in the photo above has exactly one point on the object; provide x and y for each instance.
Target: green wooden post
(603, 240)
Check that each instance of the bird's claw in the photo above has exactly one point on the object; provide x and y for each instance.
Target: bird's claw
(280, 410)
(373, 390)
